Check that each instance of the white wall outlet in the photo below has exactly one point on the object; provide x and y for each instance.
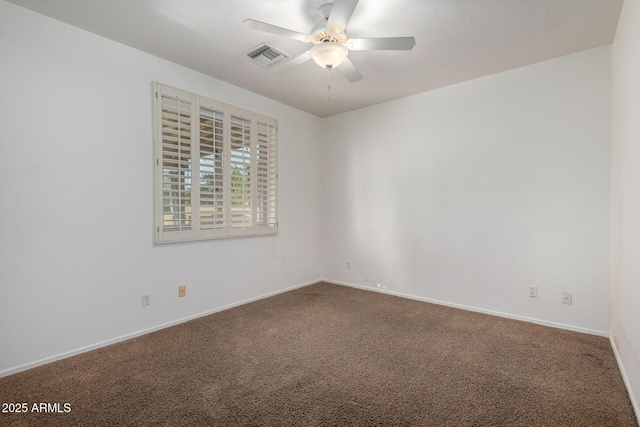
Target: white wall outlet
(146, 299)
(348, 265)
(566, 298)
(533, 291)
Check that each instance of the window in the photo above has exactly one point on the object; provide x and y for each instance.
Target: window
(216, 169)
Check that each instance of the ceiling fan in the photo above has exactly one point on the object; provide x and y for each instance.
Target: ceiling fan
(331, 45)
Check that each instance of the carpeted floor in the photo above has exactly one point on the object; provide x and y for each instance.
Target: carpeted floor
(327, 355)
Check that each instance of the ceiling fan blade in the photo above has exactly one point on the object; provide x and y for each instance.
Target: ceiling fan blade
(385, 43)
(349, 70)
(293, 63)
(262, 26)
(341, 11)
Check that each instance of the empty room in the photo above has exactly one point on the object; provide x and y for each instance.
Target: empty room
(316, 212)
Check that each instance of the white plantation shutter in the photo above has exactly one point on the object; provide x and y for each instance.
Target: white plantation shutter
(216, 169)
(174, 163)
(266, 176)
(241, 175)
(213, 215)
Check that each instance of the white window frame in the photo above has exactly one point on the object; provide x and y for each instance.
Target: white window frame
(237, 193)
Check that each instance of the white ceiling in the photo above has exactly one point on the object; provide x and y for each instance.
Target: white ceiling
(456, 40)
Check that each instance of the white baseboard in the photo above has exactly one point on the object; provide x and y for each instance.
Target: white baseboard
(105, 343)
(625, 378)
(476, 309)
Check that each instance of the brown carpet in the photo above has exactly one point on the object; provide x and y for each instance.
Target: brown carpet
(327, 355)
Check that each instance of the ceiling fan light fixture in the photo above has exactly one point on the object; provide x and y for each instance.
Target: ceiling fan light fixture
(329, 54)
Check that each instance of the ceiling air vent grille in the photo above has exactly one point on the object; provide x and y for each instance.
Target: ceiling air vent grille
(266, 56)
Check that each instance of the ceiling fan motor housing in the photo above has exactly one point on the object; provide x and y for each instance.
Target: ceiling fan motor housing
(320, 34)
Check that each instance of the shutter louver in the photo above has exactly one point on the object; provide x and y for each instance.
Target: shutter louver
(176, 164)
(212, 164)
(266, 197)
(240, 174)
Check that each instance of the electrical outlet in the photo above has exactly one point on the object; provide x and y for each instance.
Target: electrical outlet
(533, 291)
(348, 265)
(566, 298)
(146, 299)
(182, 291)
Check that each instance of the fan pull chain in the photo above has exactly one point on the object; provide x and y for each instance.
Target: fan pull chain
(329, 83)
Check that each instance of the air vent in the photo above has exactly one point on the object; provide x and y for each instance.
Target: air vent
(266, 55)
